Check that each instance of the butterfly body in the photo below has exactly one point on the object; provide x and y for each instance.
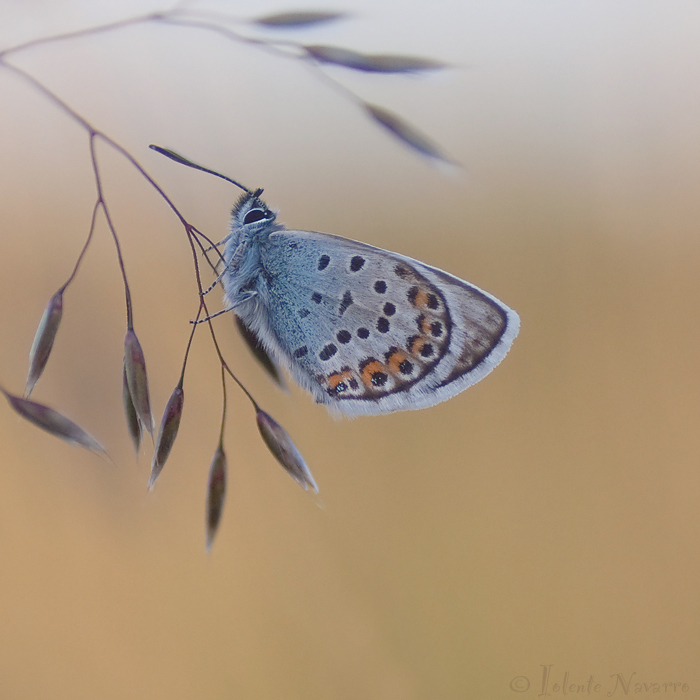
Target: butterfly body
(364, 330)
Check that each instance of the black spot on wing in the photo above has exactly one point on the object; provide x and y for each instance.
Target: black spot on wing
(390, 352)
(345, 303)
(379, 378)
(357, 263)
(403, 271)
(327, 352)
(406, 367)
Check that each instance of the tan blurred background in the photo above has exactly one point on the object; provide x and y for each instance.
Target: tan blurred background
(545, 520)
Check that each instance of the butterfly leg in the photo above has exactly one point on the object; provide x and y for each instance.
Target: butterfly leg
(213, 284)
(216, 245)
(245, 296)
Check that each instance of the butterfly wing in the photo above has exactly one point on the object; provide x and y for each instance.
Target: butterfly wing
(267, 362)
(367, 331)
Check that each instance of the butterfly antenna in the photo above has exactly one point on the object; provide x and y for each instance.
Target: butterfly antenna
(181, 159)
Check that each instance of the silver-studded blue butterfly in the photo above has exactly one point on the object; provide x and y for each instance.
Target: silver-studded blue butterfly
(365, 331)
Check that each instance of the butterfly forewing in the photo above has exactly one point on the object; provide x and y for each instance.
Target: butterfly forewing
(363, 329)
(369, 331)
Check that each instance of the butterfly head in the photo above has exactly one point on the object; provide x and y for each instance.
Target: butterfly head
(251, 213)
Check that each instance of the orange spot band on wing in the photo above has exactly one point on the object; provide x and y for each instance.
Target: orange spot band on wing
(417, 347)
(421, 299)
(334, 380)
(425, 322)
(369, 369)
(394, 361)
(338, 378)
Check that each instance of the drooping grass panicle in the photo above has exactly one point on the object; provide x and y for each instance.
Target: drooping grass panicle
(54, 423)
(135, 390)
(43, 340)
(51, 319)
(216, 494)
(169, 426)
(170, 422)
(371, 63)
(216, 482)
(280, 444)
(132, 419)
(137, 379)
(297, 20)
(407, 134)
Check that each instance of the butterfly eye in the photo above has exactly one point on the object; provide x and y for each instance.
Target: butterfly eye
(255, 215)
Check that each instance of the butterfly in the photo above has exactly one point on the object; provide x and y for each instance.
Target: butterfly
(363, 330)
